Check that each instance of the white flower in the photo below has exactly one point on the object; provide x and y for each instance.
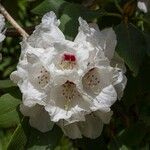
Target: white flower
(91, 127)
(35, 113)
(144, 5)
(2, 36)
(72, 83)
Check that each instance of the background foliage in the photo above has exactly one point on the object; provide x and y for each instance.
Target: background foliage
(130, 125)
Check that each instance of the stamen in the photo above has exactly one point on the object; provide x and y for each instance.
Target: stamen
(68, 61)
(91, 80)
(69, 93)
(43, 77)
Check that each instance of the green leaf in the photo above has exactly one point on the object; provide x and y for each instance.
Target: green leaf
(69, 19)
(20, 136)
(5, 63)
(5, 136)
(8, 111)
(29, 138)
(95, 144)
(49, 5)
(131, 46)
(133, 135)
(6, 84)
(114, 144)
(42, 141)
(123, 148)
(147, 38)
(69, 12)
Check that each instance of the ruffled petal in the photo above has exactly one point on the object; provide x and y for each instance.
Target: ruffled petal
(67, 103)
(47, 32)
(103, 42)
(31, 95)
(39, 118)
(2, 37)
(118, 62)
(110, 42)
(143, 6)
(105, 99)
(2, 24)
(119, 82)
(89, 35)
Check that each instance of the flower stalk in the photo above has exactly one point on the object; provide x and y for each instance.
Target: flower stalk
(13, 22)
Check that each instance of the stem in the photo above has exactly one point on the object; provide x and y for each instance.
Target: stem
(118, 7)
(144, 20)
(113, 15)
(13, 22)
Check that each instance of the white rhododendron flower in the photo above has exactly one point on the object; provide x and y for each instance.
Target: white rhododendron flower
(144, 5)
(2, 36)
(70, 83)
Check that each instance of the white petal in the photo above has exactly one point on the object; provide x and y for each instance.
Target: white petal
(2, 22)
(19, 75)
(105, 99)
(104, 116)
(96, 79)
(2, 37)
(104, 41)
(39, 118)
(118, 62)
(31, 95)
(119, 82)
(83, 30)
(92, 127)
(110, 42)
(71, 130)
(15, 77)
(142, 6)
(47, 32)
(50, 19)
(59, 107)
(89, 36)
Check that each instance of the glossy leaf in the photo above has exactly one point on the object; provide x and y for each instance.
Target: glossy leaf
(20, 136)
(134, 134)
(131, 46)
(8, 111)
(6, 84)
(69, 19)
(49, 5)
(42, 141)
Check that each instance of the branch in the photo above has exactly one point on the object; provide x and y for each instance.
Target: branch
(118, 7)
(13, 22)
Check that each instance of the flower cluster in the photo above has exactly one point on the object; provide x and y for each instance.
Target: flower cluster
(70, 83)
(2, 36)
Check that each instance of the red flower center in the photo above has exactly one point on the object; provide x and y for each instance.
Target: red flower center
(69, 57)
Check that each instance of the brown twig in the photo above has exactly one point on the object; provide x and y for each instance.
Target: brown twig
(20, 30)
